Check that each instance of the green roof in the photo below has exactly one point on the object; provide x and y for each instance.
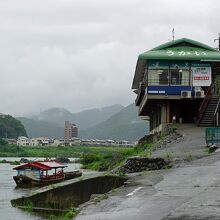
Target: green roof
(183, 41)
(181, 49)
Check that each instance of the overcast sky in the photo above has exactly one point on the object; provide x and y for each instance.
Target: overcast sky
(80, 54)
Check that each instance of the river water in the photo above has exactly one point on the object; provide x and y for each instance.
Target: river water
(9, 191)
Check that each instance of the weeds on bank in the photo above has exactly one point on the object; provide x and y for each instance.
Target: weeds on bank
(67, 216)
(99, 198)
(169, 155)
(173, 128)
(70, 214)
(105, 161)
(144, 150)
(189, 157)
(28, 206)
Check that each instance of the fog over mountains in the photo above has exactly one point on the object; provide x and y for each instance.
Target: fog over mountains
(112, 122)
(83, 119)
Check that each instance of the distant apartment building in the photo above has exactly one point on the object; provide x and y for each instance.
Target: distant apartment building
(40, 141)
(70, 130)
(23, 141)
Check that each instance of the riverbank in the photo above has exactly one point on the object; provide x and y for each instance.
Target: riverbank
(189, 190)
(70, 151)
(100, 158)
(8, 191)
(165, 194)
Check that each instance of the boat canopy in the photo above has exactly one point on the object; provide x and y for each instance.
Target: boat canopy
(41, 165)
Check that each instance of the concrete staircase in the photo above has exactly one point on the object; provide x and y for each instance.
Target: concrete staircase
(208, 115)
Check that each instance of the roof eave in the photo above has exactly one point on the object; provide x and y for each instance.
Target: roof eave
(187, 40)
(139, 73)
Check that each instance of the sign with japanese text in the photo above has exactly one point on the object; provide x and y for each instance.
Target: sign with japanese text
(201, 76)
(186, 53)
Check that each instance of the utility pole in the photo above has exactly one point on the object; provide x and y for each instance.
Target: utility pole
(218, 39)
(173, 33)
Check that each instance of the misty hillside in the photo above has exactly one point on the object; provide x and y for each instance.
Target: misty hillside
(83, 120)
(36, 128)
(124, 125)
(11, 127)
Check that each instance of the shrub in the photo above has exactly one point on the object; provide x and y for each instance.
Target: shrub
(89, 158)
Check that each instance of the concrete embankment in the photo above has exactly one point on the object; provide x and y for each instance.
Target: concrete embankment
(188, 191)
(64, 196)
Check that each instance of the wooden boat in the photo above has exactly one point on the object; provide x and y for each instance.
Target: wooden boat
(39, 174)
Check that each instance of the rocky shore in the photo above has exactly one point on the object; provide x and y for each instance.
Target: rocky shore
(139, 164)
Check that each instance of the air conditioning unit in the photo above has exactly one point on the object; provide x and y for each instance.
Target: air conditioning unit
(186, 94)
(199, 94)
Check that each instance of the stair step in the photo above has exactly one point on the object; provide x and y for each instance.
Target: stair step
(208, 115)
(206, 122)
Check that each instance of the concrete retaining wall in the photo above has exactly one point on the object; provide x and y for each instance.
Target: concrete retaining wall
(72, 194)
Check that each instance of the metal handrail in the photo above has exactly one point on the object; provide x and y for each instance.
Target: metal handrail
(205, 103)
(215, 116)
(141, 91)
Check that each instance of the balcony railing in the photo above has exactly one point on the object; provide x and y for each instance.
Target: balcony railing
(141, 92)
(166, 82)
(205, 103)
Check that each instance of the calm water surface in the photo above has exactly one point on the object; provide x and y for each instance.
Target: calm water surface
(9, 191)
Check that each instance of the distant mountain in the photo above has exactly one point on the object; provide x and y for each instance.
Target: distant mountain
(37, 128)
(83, 120)
(11, 127)
(124, 125)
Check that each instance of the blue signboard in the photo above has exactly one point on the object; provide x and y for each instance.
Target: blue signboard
(167, 90)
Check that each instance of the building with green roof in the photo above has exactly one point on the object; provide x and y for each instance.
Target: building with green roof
(178, 81)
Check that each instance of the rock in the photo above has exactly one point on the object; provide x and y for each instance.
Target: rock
(24, 160)
(63, 159)
(212, 148)
(138, 164)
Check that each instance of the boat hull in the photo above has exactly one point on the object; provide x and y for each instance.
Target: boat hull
(25, 181)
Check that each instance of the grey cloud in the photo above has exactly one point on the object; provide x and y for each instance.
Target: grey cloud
(80, 54)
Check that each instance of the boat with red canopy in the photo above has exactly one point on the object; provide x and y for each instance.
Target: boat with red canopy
(42, 173)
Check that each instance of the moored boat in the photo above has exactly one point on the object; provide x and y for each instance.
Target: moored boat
(42, 173)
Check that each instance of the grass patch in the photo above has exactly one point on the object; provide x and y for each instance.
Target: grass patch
(67, 216)
(15, 163)
(70, 151)
(92, 157)
(105, 161)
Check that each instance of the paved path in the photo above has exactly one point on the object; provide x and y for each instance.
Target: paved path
(189, 192)
(192, 144)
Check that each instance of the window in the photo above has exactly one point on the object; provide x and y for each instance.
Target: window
(179, 77)
(185, 77)
(163, 77)
(158, 77)
(175, 75)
